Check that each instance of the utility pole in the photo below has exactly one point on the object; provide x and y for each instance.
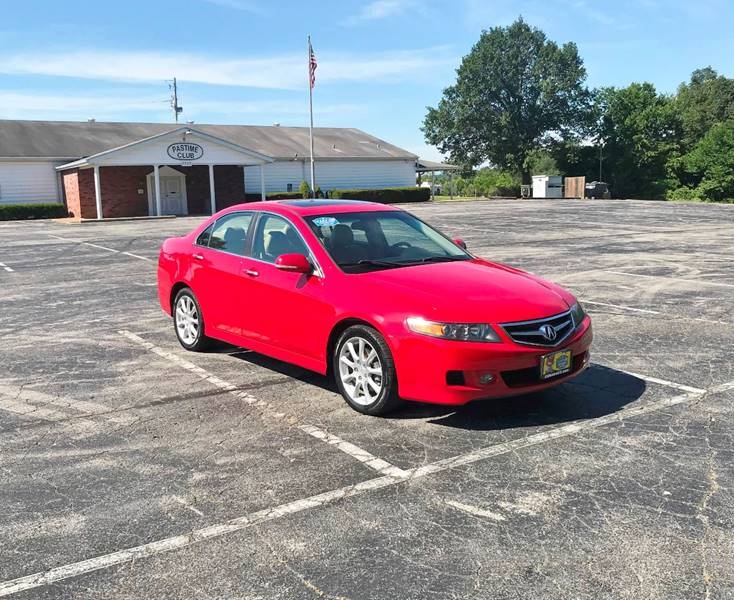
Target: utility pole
(177, 110)
(601, 147)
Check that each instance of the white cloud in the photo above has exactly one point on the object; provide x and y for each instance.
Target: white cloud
(380, 9)
(109, 106)
(274, 72)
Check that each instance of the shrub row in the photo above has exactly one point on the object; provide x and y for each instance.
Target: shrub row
(12, 212)
(273, 196)
(386, 195)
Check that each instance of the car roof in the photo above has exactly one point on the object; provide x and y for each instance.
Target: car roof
(307, 207)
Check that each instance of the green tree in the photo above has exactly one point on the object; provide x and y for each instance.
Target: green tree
(706, 100)
(542, 162)
(639, 131)
(515, 91)
(711, 165)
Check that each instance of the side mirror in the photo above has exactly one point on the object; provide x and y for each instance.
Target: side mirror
(460, 243)
(296, 263)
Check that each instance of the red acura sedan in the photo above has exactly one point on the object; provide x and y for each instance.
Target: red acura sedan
(389, 306)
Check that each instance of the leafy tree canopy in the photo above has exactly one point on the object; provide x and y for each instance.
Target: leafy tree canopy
(706, 100)
(639, 130)
(514, 92)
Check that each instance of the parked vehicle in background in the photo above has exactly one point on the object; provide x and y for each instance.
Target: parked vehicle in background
(435, 188)
(369, 293)
(597, 189)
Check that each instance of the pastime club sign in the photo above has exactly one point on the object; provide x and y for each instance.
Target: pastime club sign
(185, 151)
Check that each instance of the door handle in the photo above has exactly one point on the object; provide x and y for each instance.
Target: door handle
(252, 272)
(198, 256)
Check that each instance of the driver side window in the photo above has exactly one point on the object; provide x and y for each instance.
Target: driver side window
(276, 236)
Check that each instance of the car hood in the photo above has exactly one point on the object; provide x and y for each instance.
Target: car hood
(468, 291)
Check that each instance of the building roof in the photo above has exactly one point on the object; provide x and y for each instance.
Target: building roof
(423, 166)
(68, 140)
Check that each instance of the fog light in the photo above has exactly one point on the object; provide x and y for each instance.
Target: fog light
(486, 378)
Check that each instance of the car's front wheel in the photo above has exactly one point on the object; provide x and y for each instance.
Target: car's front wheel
(365, 372)
(189, 322)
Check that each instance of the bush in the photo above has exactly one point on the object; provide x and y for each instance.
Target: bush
(386, 195)
(12, 212)
(305, 189)
(274, 196)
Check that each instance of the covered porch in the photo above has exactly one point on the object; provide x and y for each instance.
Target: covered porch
(176, 173)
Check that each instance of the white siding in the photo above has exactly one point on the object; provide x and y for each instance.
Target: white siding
(343, 174)
(28, 182)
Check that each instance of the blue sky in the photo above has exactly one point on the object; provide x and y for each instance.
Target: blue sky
(381, 62)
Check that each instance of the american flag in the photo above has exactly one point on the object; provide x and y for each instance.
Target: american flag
(311, 65)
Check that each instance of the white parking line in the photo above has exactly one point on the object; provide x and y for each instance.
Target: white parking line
(360, 454)
(137, 256)
(170, 544)
(101, 247)
(663, 382)
(673, 278)
(620, 306)
(32, 403)
(655, 312)
(369, 460)
(477, 512)
(7, 268)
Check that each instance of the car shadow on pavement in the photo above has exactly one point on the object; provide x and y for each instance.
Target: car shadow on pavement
(597, 392)
(275, 365)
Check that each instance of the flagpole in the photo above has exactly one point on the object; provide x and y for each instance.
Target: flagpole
(310, 110)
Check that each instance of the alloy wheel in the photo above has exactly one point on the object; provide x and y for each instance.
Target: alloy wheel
(187, 320)
(360, 371)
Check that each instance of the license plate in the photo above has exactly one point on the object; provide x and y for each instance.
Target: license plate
(555, 364)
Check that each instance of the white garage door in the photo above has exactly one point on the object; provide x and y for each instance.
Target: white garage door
(28, 182)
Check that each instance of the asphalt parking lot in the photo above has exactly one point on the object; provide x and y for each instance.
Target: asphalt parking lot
(132, 469)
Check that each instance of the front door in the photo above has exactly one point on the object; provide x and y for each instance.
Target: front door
(286, 311)
(173, 200)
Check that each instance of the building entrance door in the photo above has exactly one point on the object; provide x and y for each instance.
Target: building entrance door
(172, 191)
(173, 201)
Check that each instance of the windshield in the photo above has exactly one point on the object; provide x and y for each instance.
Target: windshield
(363, 241)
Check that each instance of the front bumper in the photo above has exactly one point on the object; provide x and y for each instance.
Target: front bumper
(449, 372)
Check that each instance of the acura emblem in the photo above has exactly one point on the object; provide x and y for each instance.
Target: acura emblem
(548, 332)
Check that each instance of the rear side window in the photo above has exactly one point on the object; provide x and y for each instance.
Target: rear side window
(229, 233)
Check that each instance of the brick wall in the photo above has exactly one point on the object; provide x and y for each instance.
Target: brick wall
(229, 186)
(79, 193)
(197, 189)
(120, 185)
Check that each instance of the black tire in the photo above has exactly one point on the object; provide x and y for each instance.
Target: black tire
(386, 399)
(195, 342)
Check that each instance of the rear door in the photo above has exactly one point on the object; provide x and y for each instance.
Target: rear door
(216, 272)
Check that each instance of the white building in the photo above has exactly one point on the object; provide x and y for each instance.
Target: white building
(134, 169)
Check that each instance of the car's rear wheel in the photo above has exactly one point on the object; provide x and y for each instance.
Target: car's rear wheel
(189, 322)
(365, 372)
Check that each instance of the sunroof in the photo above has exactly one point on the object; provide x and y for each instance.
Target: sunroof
(320, 202)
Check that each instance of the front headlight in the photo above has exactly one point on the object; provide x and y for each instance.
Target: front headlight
(465, 332)
(577, 314)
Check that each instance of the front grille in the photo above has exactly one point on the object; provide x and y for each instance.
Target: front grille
(529, 332)
(531, 376)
